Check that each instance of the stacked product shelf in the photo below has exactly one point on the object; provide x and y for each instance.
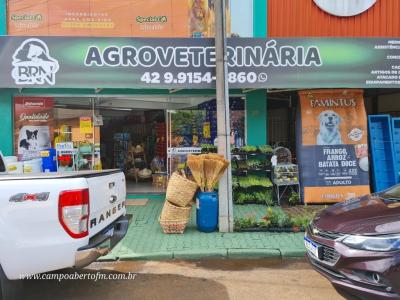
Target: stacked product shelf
(121, 147)
(252, 177)
(161, 142)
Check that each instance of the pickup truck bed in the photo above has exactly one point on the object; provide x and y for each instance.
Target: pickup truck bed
(38, 219)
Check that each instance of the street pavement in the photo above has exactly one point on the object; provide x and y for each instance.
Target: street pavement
(194, 280)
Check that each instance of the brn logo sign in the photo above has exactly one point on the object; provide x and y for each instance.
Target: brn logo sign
(32, 64)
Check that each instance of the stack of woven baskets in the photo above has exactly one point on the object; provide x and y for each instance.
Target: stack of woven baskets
(175, 214)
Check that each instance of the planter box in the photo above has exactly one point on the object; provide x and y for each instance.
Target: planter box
(271, 229)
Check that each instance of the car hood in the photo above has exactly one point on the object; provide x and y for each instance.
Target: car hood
(368, 215)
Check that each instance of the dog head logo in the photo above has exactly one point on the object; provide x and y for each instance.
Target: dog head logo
(329, 133)
(32, 64)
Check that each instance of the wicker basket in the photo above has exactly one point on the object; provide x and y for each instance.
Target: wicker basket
(173, 226)
(173, 212)
(180, 191)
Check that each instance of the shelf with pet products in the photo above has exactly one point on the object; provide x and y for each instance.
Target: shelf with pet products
(286, 179)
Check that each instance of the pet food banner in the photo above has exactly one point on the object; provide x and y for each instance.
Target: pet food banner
(332, 148)
(33, 126)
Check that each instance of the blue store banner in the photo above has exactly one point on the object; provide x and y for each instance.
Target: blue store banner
(332, 147)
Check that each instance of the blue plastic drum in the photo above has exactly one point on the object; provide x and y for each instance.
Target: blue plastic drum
(49, 160)
(207, 211)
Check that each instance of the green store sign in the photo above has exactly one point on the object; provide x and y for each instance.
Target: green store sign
(79, 62)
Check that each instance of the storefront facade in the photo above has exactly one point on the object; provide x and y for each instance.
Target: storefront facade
(288, 61)
(254, 98)
(342, 21)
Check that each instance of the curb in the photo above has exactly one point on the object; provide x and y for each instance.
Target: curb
(253, 253)
(201, 254)
(250, 253)
(292, 253)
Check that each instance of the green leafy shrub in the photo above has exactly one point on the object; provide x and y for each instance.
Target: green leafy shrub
(294, 198)
(265, 196)
(301, 221)
(265, 149)
(278, 218)
(206, 148)
(248, 149)
(251, 180)
(255, 164)
(246, 222)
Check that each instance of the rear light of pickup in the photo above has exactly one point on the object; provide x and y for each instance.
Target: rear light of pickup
(73, 212)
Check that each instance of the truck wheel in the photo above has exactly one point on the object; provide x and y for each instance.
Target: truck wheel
(10, 289)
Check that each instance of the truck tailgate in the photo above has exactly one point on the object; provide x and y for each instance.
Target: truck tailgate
(107, 200)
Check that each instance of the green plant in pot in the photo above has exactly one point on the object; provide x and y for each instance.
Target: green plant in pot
(297, 223)
(246, 222)
(294, 199)
(248, 149)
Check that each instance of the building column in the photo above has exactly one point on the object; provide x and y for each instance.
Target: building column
(3, 17)
(256, 117)
(260, 18)
(6, 117)
(256, 101)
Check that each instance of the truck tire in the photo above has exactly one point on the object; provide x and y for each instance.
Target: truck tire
(10, 289)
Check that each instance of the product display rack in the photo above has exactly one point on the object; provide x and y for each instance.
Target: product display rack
(286, 178)
(253, 183)
(161, 141)
(121, 147)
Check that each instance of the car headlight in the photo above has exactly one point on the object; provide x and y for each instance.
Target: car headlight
(373, 243)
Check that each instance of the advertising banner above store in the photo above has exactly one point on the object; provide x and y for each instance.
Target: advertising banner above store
(139, 18)
(190, 63)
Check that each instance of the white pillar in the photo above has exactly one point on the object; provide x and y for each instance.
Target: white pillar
(223, 120)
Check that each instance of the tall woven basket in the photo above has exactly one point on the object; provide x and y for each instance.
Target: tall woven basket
(180, 190)
(173, 218)
(173, 212)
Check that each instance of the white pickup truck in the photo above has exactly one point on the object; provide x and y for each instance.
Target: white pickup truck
(53, 221)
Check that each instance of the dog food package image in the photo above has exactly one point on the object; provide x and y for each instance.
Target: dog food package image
(33, 126)
(332, 145)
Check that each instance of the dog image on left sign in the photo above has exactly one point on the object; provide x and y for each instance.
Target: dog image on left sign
(329, 133)
(33, 138)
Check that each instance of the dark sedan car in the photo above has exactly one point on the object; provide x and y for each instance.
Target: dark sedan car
(356, 245)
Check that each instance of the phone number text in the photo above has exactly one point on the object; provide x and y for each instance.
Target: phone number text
(198, 77)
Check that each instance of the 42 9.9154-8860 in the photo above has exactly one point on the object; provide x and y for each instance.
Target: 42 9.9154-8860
(199, 77)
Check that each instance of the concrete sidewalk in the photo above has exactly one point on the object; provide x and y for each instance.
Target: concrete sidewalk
(146, 241)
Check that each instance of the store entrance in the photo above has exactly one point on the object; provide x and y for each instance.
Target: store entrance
(127, 133)
(134, 140)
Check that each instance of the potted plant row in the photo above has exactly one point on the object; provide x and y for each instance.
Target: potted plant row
(262, 149)
(275, 220)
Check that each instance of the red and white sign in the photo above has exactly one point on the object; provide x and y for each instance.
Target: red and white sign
(33, 126)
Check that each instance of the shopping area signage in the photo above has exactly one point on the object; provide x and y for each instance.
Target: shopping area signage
(77, 62)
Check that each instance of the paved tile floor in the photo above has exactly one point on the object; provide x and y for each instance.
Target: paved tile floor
(145, 239)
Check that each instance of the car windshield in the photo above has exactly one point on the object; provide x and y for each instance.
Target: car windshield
(391, 194)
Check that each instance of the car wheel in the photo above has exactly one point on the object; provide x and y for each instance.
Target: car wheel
(10, 289)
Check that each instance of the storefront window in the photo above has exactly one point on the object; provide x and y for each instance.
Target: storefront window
(195, 130)
(44, 126)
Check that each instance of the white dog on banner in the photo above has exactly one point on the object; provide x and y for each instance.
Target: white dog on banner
(329, 133)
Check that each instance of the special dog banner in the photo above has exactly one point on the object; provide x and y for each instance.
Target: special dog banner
(33, 125)
(172, 63)
(332, 148)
